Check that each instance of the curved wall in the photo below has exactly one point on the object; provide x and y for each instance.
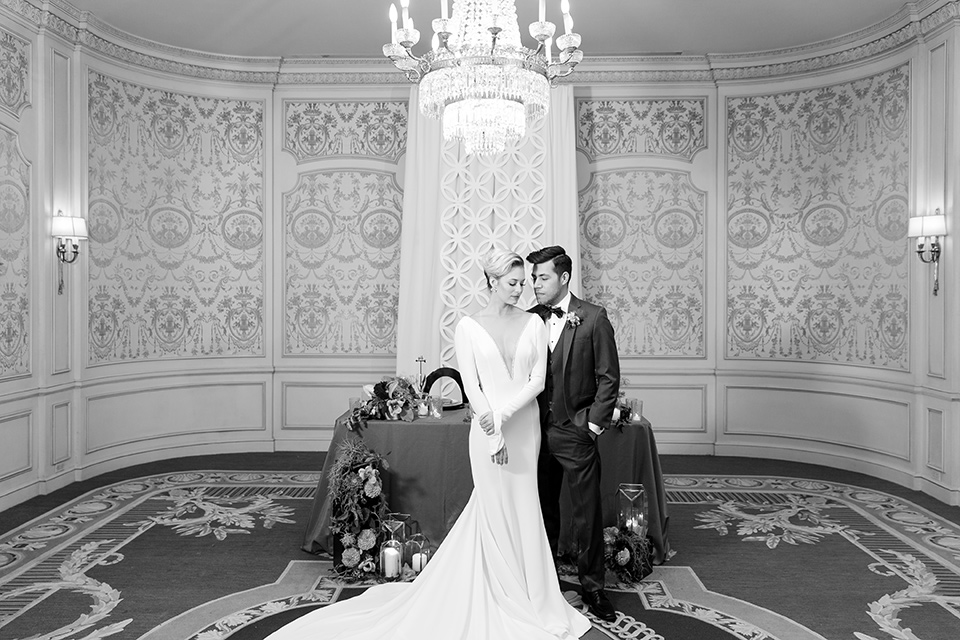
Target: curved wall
(743, 218)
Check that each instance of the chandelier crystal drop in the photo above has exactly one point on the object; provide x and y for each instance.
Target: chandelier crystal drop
(478, 78)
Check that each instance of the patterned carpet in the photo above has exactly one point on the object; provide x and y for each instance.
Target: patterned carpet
(204, 555)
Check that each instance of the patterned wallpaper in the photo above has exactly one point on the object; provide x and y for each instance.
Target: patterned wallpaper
(176, 224)
(363, 129)
(15, 257)
(342, 262)
(642, 246)
(611, 128)
(817, 209)
(642, 230)
(342, 227)
(14, 73)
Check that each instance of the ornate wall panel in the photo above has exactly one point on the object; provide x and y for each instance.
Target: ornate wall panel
(15, 258)
(342, 262)
(14, 73)
(817, 208)
(673, 128)
(486, 202)
(176, 224)
(642, 249)
(362, 129)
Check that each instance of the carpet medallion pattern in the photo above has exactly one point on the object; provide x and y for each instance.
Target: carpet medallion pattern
(209, 555)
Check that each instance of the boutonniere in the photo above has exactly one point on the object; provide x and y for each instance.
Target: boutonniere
(572, 318)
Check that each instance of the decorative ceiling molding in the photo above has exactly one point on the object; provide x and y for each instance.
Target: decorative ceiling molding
(913, 23)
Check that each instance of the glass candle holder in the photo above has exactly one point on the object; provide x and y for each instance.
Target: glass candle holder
(423, 405)
(436, 406)
(416, 552)
(633, 508)
(391, 551)
(420, 560)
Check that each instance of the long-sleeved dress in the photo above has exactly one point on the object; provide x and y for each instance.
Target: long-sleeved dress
(493, 577)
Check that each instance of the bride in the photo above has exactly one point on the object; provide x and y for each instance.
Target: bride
(493, 576)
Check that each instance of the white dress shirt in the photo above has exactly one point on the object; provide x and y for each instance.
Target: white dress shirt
(556, 324)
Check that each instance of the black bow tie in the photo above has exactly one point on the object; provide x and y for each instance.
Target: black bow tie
(557, 311)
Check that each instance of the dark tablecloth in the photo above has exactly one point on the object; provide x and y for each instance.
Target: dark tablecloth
(430, 479)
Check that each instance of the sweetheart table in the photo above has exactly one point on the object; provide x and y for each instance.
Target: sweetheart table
(429, 476)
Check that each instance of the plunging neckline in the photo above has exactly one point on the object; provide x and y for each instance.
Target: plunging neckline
(496, 345)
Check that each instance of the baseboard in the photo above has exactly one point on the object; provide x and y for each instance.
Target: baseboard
(165, 453)
(19, 495)
(890, 474)
(685, 449)
(940, 492)
(317, 444)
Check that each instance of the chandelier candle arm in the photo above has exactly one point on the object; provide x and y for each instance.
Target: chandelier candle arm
(567, 20)
(393, 23)
(477, 77)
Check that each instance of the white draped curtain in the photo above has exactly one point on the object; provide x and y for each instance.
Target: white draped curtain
(457, 207)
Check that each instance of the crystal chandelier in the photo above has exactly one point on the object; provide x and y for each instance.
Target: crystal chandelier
(478, 78)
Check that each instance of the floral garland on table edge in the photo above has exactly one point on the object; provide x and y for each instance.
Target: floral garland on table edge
(393, 398)
(358, 508)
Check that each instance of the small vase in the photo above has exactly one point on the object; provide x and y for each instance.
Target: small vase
(633, 508)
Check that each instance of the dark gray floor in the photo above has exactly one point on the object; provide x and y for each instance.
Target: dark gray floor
(300, 461)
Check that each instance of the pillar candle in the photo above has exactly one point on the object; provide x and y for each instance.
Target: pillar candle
(391, 562)
(418, 561)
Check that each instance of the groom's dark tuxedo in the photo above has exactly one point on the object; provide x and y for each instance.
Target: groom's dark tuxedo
(582, 383)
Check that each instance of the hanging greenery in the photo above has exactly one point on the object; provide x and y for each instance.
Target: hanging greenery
(358, 508)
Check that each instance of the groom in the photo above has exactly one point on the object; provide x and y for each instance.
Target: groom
(582, 383)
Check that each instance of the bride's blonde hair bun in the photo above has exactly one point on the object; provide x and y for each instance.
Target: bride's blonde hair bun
(498, 263)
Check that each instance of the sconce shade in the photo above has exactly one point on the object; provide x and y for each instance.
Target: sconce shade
(925, 226)
(69, 227)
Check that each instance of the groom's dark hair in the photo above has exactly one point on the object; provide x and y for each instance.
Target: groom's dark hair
(561, 261)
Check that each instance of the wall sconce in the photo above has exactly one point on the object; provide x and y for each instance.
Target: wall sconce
(69, 231)
(932, 227)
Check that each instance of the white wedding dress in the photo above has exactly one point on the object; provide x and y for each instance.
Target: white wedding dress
(493, 577)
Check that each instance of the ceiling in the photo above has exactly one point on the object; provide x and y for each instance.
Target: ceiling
(359, 28)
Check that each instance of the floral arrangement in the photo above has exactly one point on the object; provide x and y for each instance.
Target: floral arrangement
(572, 319)
(358, 507)
(622, 412)
(393, 398)
(626, 554)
